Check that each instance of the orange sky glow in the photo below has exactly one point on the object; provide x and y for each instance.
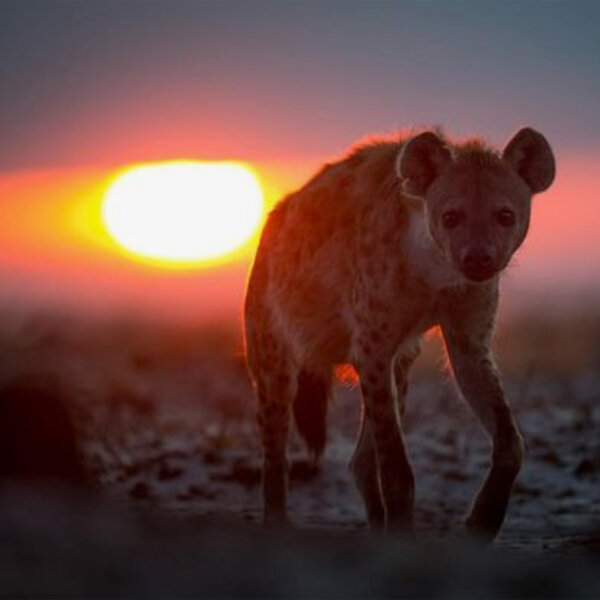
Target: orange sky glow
(55, 249)
(98, 87)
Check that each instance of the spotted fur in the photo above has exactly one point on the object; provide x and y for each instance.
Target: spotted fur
(353, 268)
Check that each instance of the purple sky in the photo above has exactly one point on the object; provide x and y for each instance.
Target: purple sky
(111, 82)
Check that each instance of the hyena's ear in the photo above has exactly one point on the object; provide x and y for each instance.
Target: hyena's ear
(530, 155)
(420, 161)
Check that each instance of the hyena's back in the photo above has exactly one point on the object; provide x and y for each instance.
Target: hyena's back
(304, 272)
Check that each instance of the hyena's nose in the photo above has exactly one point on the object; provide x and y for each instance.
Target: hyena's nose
(477, 260)
(478, 265)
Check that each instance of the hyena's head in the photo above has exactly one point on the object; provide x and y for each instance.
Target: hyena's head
(478, 200)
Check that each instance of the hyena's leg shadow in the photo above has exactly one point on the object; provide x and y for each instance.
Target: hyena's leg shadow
(478, 380)
(364, 464)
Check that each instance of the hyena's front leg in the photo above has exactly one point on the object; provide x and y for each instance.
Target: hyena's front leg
(364, 462)
(395, 474)
(402, 365)
(364, 468)
(478, 380)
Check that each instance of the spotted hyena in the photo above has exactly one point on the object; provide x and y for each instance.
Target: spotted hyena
(375, 249)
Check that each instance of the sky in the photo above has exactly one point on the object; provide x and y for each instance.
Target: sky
(104, 82)
(98, 85)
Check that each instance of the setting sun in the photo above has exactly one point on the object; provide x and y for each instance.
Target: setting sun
(183, 212)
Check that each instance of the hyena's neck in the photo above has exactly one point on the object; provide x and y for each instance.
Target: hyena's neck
(395, 249)
(427, 257)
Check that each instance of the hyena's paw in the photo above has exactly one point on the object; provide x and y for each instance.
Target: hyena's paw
(485, 520)
(276, 521)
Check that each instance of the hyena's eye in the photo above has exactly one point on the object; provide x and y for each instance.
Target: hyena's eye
(506, 217)
(451, 218)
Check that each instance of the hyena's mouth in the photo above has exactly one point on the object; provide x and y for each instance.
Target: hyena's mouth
(479, 274)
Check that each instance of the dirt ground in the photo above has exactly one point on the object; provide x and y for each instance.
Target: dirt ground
(165, 423)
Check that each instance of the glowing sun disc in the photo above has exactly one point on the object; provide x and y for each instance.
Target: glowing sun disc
(183, 211)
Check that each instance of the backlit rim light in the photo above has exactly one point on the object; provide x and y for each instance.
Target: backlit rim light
(183, 212)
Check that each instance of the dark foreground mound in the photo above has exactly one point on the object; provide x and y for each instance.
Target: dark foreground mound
(38, 441)
(63, 546)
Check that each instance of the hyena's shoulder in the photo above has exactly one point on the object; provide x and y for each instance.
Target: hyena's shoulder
(351, 211)
(335, 197)
(310, 236)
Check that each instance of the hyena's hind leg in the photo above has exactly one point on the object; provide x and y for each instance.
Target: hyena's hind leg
(275, 380)
(275, 391)
(364, 462)
(310, 411)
